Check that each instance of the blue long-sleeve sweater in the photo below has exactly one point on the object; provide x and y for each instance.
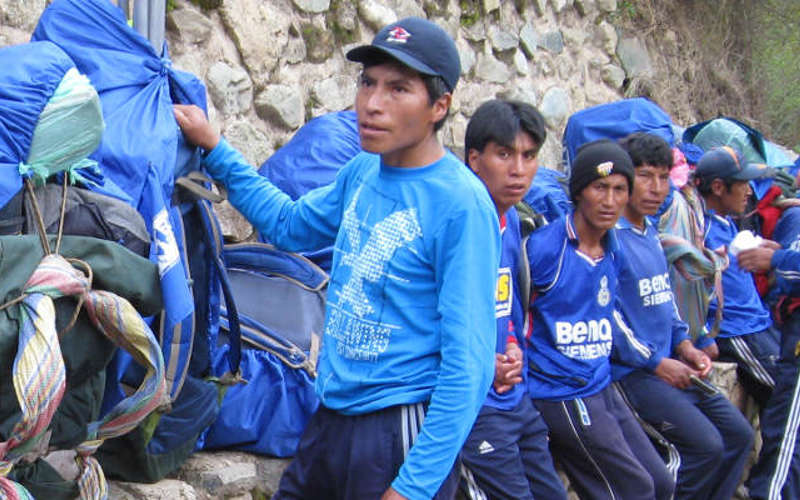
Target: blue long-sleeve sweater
(411, 301)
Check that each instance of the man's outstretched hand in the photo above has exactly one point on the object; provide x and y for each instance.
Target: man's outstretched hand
(195, 126)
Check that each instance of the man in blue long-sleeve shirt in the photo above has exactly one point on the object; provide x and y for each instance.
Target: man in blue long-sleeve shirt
(711, 436)
(408, 347)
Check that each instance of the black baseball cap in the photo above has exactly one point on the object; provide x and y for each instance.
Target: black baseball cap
(417, 43)
(725, 162)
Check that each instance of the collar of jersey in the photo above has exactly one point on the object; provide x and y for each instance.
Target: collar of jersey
(724, 220)
(624, 223)
(609, 241)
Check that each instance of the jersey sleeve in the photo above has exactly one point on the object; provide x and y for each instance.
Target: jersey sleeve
(308, 223)
(680, 330)
(628, 349)
(543, 262)
(467, 250)
(786, 266)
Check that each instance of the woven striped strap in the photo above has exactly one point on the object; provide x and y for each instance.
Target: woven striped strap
(38, 373)
(115, 318)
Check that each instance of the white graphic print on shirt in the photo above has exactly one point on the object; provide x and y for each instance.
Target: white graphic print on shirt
(358, 336)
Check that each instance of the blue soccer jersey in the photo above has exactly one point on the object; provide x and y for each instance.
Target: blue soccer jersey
(651, 328)
(572, 312)
(509, 310)
(742, 310)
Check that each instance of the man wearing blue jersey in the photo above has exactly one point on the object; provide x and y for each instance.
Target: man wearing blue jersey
(574, 263)
(746, 335)
(506, 454)
(776, 474)
(408, 348)
(710, 434)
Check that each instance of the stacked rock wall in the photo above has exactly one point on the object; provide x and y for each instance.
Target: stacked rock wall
(271, 65)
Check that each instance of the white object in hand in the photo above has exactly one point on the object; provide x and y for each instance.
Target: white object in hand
(744, 240)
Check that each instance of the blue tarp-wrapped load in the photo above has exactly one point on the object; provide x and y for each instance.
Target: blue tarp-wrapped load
(614, 121)
(53, 356)
(141, 153)
(42, 92)
(728, 132)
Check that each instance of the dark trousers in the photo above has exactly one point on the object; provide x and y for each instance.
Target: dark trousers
(776, 475)
(712, 437)
(506, 456)
(756, 355)
(604, 450)
(355, 457)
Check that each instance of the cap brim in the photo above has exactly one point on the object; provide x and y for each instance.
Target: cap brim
(367, 53)
(751, 171)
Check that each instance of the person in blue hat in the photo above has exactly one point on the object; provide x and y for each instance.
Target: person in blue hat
(746, 334)
(408, 346)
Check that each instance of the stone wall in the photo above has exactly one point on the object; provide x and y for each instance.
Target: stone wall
(270, 66)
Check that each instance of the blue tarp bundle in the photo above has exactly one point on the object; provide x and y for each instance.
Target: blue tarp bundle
(548, 195)
(31, 73)
(142, 142)
(614, 121)
(314, 154)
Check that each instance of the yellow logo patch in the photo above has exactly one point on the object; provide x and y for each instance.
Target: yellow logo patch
(605, 168)
(504, 294)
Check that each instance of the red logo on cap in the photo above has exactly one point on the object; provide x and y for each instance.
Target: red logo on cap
(398, 35)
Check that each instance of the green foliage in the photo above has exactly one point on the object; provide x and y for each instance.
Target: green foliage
(208, 4)
(470, 12)
(776, 67)
(170, 5)
(434, 8)
(626, 11)
(311, 103)
(341, 34)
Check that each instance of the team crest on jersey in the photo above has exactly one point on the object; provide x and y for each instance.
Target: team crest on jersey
(398, 35)
(604, 295)
(504, 293)
(605, 168)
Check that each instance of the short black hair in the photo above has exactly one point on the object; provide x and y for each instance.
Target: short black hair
(436, 89)
(703, 184)
(434, 84)
(500, 121)
(647, 149)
